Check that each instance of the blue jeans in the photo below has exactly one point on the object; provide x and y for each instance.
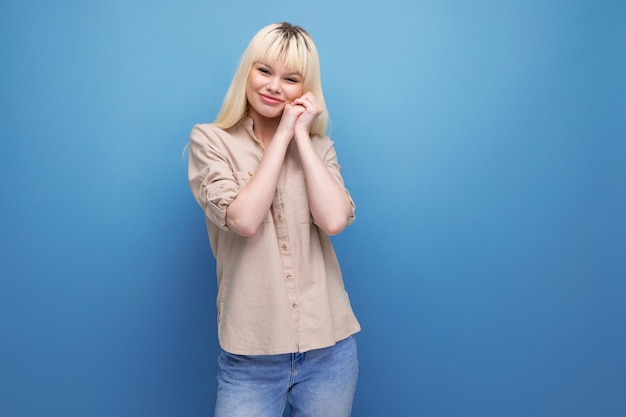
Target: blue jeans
(317, 383)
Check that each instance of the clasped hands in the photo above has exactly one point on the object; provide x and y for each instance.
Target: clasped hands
(300, 114)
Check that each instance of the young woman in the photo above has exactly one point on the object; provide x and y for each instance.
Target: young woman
(267, 177)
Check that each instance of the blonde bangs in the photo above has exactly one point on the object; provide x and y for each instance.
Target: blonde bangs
(294, 51)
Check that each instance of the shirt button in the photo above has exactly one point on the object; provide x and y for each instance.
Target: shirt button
(279, 216)
(289, 276)
(249, 173)
(284, 247)
(294, 306)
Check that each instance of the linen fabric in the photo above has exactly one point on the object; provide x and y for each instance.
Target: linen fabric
(281, 290)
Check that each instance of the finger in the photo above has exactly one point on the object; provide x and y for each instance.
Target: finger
(310, 98)
(307, 104)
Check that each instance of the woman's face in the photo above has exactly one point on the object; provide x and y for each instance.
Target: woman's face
(270, 87)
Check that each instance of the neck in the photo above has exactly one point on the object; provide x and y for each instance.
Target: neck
(264, 128)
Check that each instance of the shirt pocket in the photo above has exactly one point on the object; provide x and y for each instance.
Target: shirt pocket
(243, 177)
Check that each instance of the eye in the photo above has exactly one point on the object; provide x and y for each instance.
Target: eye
(292, 80)
(263, 70)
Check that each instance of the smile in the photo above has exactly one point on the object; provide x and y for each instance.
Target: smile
(270, 100)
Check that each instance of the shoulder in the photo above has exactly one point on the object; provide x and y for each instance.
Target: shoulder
(211, 130)
(206, 129)
(207, 134)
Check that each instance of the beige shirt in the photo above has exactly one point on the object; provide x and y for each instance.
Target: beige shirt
(281, 290)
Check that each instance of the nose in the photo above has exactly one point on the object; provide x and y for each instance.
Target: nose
(273, 85)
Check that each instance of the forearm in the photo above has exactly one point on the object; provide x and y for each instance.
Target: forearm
(249, 208)
(329, 202)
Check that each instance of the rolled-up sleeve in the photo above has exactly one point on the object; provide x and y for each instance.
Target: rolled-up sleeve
(212, 180)
(329, 156)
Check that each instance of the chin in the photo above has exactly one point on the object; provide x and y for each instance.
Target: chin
(272, 114)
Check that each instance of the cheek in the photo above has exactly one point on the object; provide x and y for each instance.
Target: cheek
(251, 87)
(249, 84)
(253, 81)
(295, 92)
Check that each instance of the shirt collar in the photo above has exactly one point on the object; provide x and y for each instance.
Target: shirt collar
(248, 125)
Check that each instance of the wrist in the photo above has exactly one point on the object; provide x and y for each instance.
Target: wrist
(302, 131)
(283, 135)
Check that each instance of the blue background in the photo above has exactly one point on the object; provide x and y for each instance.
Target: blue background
(484, 143)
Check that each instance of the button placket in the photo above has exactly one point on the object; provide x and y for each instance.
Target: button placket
(285, 254)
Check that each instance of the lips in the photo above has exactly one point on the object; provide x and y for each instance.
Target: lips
(270, 99)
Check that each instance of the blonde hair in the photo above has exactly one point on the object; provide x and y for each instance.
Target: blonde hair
(278, 41)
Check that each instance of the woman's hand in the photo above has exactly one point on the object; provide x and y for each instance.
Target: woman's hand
(288, 120)
(311, 111)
